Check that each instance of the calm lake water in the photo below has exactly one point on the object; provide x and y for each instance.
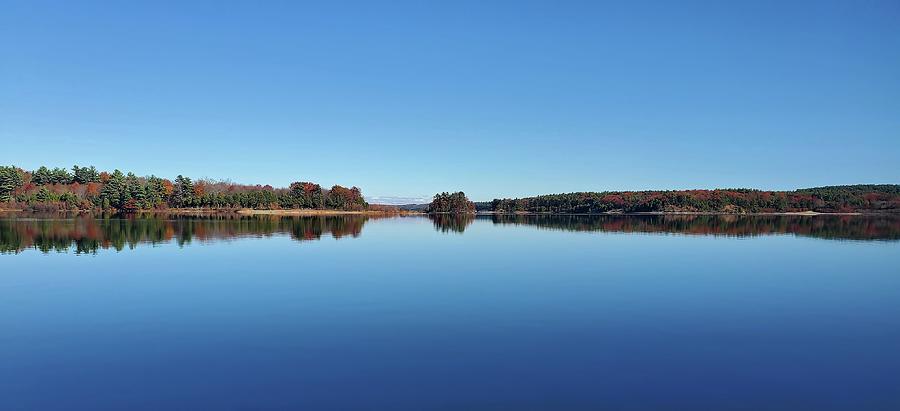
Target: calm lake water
(450, 313)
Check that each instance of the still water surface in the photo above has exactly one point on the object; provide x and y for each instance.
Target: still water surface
(450, 313)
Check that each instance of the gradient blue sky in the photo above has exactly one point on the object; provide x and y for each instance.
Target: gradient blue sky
(494, 98)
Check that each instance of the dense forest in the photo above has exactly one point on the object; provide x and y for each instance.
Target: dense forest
(85, 188)
(456, 203)
(833, 199)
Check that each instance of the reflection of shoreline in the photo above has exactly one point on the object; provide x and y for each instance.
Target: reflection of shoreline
(228, 211)
(643, 213)
(83, 234)
(311, 212)
(88, 234)
(838, 227)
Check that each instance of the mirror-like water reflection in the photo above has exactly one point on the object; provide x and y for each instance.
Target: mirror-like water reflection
(88, 234)
(838, 227)
(449, 312)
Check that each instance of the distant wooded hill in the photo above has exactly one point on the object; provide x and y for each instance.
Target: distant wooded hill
(830, 199)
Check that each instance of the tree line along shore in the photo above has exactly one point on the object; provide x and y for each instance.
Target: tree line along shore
(87, 189)
(845, 199)
(863, 198)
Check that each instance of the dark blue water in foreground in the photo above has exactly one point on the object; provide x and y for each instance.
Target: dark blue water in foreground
(621, 313)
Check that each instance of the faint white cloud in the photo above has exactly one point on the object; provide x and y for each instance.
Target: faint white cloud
(393, 200)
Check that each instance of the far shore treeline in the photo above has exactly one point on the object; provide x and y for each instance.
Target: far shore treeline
(831, 199)
(86, 188)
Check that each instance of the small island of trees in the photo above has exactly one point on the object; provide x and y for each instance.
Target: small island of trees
(455, 203)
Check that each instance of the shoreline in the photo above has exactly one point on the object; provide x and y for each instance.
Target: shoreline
(645, 213)
(315, 212)
(220, 211)
(323, 212)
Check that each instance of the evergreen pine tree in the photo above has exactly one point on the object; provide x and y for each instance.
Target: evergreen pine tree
(10, 180)
(183, 195)
(41, 176)
(113, 191)
(135, 189)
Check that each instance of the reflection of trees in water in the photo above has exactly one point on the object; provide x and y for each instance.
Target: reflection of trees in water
(88, 234)
(845, 227)
(455, 222)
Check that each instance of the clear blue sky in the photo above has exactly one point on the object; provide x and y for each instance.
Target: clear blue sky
(494, 98)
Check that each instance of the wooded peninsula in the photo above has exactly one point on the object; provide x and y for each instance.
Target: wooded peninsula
(84, 188)
(87, 189)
